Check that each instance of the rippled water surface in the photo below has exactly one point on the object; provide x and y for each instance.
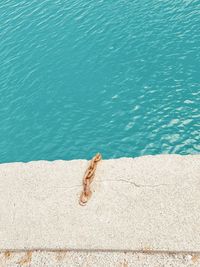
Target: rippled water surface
(121, 77)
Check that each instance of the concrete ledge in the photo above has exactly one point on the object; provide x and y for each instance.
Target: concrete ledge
(149, 203)
(100, 259)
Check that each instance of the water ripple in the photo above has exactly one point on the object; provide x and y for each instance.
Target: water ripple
(119, 77)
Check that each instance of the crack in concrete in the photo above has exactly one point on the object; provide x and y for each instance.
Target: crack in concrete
(134, 183)
(122, 180)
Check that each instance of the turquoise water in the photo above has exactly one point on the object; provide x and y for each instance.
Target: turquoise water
(119, 77)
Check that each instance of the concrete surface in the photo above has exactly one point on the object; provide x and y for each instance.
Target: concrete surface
(148, 203)
(97, 259)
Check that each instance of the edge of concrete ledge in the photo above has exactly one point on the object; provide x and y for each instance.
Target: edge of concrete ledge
(100, 259)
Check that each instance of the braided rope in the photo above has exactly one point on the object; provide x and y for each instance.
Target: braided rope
(88, 178)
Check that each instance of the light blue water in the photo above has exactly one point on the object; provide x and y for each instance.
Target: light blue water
(119, 77)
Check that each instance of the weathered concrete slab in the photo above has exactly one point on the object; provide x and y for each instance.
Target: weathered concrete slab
(146, 203)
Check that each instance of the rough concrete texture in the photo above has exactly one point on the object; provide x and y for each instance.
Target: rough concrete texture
(96, 259)
(149, 203)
